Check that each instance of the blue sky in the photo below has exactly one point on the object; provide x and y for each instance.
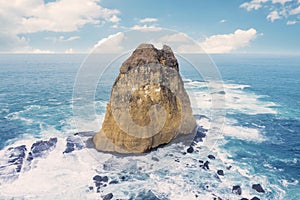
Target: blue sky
(75, 26)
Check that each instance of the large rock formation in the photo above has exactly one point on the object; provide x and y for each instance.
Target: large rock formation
(148, 104)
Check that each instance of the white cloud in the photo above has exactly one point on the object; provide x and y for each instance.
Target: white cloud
(278, 9)
(34, 51)
(177, 37)
(291, 22)
(295, 11)
(224, 43)
(10, 42)
(110, 44)
(273, 16)
(114, 19)
(253, 5)
(180, 42)
(31, 16)
(281, 1)
(228, 42)
(62, 39)
(148, 20)
(145, 28)
(223, 21)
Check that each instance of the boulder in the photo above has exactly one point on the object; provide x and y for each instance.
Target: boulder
(220, 172)
(148, 104)
(43, 147)
(258, 188)
(237, 190)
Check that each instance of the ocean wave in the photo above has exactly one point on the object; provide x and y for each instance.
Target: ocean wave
(235, 98)
(72, 175)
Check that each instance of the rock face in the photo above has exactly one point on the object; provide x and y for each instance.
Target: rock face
(148, 104)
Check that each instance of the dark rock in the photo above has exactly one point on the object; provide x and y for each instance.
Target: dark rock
(229, 167)
(155, 159)
(177, 160)
(212, 157)
(146, 196)
(220, 172)
(147, 53)
(237, 190)
(258, 188)
(98, 184)
(41, 148)
(205, 165)
(113, 182)
(74, 143)
(70, 148)
(200, 134)
(124, 178)
(12, 162)
(200, 161)
(105, 179)
(85, 134)
(255, 198)
(108, 196)
(221, 92)
(190, 149)
(97, 178)
(217, 198)
(244, 199)
(30, 157)
(99, 181)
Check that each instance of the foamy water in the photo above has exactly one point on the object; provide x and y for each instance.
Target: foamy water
(169, 172)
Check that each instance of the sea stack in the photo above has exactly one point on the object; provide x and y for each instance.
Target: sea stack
(148, 104)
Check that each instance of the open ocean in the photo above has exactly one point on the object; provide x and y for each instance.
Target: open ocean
(260, 143)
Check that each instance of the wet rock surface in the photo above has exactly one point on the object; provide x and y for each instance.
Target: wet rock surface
(17, 159)
(41, 148)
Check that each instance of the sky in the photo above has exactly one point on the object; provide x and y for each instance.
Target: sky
(218, 26)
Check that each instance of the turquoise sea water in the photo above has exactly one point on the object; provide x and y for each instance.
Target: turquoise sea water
(261, 137)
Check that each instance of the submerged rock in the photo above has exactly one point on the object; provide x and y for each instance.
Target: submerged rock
(108, 196)
(148, 105)
(149, 195)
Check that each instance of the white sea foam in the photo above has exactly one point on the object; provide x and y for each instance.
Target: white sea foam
(68, 176)
(235, 97)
